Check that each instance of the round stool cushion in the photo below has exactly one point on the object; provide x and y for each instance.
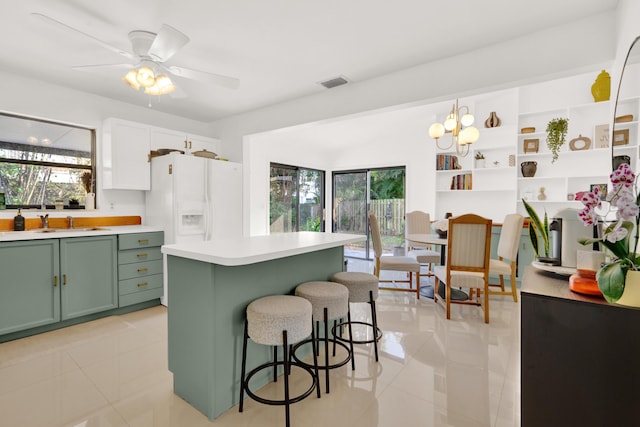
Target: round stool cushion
(333, 296)
(359, 285)
(268, 316)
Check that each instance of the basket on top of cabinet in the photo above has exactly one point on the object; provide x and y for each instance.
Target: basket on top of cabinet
(139, 267)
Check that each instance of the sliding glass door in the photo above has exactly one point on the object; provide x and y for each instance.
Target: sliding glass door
(296, 199)
(355, 193)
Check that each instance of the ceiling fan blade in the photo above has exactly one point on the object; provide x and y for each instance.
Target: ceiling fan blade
(167, 43)
(101, 67)
(201, 76)
(106, 45)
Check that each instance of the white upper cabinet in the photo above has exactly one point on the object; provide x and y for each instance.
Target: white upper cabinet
(125, 155)
(126, 148)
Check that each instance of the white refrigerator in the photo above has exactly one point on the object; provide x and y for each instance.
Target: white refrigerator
(194, 199)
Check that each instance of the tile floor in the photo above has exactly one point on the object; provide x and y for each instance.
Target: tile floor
(432, 372)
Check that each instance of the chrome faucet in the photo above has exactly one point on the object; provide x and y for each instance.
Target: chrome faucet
(70, 218)
(45, 220)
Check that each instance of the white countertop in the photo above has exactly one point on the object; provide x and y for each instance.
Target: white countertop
(57, 233)
(250, 250)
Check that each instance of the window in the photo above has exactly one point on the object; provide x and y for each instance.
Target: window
(43, 161)
(297, 199)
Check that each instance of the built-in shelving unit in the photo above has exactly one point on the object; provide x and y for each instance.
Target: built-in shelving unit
(579, 165)
(498, 189)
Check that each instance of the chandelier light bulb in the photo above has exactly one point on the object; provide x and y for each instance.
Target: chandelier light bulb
(451, 123)
(468, 135)
(436, 130)
(467, 120)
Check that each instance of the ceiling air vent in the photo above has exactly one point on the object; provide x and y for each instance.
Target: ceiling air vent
(337, 81)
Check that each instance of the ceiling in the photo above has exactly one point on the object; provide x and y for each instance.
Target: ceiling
(278, 49)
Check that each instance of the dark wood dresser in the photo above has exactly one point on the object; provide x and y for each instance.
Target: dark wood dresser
(580, 357)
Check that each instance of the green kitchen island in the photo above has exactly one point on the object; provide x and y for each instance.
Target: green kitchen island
(210, 285)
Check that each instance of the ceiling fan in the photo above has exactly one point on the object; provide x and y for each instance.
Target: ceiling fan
(149, 52)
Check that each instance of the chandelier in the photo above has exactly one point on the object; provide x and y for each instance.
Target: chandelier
(153, 84)
(459, 125)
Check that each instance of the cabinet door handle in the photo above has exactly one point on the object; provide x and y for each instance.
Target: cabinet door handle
(142, 285)
(142, 255)
(143, 240)
(55, 281)
(143, 270)
(64, 279)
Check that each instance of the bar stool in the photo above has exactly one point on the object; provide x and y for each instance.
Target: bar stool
(278, 320)
(363, 287)
(329, 300)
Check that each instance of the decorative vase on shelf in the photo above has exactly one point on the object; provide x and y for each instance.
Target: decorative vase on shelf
(601, 88)
(541, 195)
(528, 168)
(631, 293)
(493, 121)
(480, 163)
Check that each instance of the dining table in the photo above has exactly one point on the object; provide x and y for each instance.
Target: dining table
(431, 239)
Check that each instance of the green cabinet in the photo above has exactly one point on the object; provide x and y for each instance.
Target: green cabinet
(52, 280)
(30, 285)
(139, 267)
(89, 275)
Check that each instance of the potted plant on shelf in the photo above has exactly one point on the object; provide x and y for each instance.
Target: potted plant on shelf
(618, 279)
(556, 134)
(480, 160)
(538, 232)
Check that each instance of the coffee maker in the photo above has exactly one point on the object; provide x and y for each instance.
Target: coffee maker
(565, 229)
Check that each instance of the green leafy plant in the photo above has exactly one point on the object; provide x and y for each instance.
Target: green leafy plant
(556, 135)
(538, 228)
(479, 155)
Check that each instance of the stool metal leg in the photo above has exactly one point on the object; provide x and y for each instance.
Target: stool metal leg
(374, 321)
(244, 364)
(315, 363)
(285, 357)
(353, 355)
(326, 347)
(275, 363)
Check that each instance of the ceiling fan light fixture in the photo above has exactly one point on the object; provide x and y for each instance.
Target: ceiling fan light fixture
(131, 79)
(164, 84)
(145, 76)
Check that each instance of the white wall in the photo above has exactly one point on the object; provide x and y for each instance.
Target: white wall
(571, 48)
(37, 99)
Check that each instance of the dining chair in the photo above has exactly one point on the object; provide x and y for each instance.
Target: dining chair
(407, 264)
(507, 255)
(419, 222)
(467, 266)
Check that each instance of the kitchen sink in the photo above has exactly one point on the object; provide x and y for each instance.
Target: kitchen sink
(54, 230)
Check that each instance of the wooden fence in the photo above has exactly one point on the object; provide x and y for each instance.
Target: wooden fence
(351, 216)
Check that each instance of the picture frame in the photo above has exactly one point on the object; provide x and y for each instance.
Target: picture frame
(602, 136)
(531, 145)
(621, 137)
(602, 187)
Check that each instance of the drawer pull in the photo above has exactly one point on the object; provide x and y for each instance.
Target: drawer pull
(143, 270)
(142, 285)
(143, 240)
(64, 279)
(55, 281)
(142, 255)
